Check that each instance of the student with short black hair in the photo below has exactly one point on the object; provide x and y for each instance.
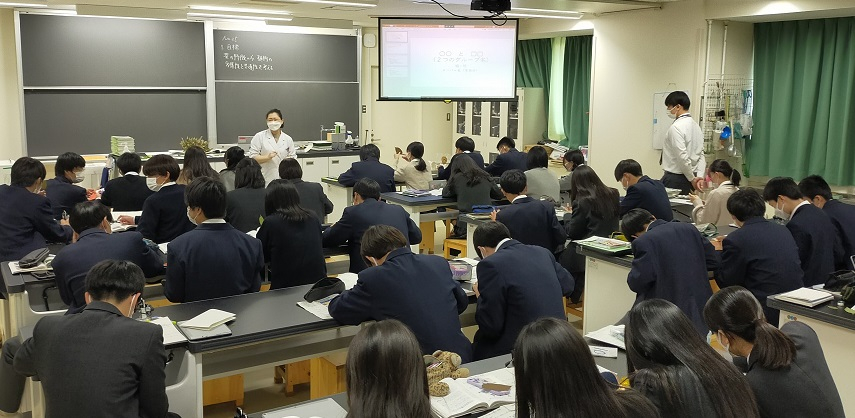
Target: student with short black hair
(26, 215)
(416, 289)
(385, 373)
(291, 237)
(671, 261)
(556, 376)
(214, 259)
(164, 214)
(245, 204)
(713, 209)
(678, 371)
(63, 190)
(94, 242)
(129, 192)
(412, 169)
(641, 191)
(820, 249)
(368, 210)
(785, 368)
(464, 147)
(572, 160)
(541, 182)
(508, 159)
(312, 196)
(196, 165)
(517, 284)
(842, 215)
(232, 157)
(369, 166)
(761, 255)
(683, 149)
(530, 221)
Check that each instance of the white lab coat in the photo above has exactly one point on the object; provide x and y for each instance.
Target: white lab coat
(263, 144)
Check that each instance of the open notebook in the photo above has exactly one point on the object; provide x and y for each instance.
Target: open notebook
(465, 395)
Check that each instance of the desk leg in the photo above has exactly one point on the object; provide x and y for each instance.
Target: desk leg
(415, 215)
(199, 399)
(16, 305)
(5, 325)
(607, 296)
(470, 247)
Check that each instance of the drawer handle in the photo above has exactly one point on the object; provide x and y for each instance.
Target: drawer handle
(310, 163)
(334, 161)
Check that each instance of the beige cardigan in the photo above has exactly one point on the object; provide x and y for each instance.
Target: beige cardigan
(406, 172)
(714, 210)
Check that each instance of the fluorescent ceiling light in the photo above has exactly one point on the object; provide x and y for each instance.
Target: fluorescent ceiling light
(237, 17)
(778, 8)
(27, 5)
(549, 11)
(526, 15)
(240, 10)
(338, 3)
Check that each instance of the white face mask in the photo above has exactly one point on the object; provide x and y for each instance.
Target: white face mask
(274, 125)
(78, 178)
(720, 336)
(672, 115)
(779, 212)
(152, 184)
(191, 218)
(624, 185)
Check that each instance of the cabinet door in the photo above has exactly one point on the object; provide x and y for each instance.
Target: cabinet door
(338, 165)
(314, 168)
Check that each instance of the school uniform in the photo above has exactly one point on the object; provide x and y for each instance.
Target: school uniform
(683, 154)
(541, 182)
(650, 195)
(714, 209)
(762, 257)
(212, 261)
(583, 223)
(415, 289)
(264, 143)
(164, 215)
(93, 246)
(26, 223)
(63, 195)
(294, 250)
(533, 222)
(126, 193)
(518, 284)
(804, 389)
(481, 193)
(511, 160)
(313, 198)
(819, 245)
(371, 168)
(406, 172)
(444, 173)
(671, 262)
(355, 220)
(842, 215)
(228, 178)
(244, 207)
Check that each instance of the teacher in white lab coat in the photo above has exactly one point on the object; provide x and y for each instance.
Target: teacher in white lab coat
(270, 146)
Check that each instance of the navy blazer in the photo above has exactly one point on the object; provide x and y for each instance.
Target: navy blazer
(357, 219)
(94, 245)
(164, 215)
(373, 169)
(511, 160)
(843, 217)
(244, 207)
(518, 285)
(762, 257)
(819, 245)
(126, 193)
(533, 222)
(294, 250)
(415, 289)
(803, 389)
(671, 262)
(313, 198)
(650, 195)
(26, 223)
(212, 261)
(444, 173)
(63, 195)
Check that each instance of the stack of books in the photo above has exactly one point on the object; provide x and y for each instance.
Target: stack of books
(806, 297)
(121, 144)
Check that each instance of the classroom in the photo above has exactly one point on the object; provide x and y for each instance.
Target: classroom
(498, 208)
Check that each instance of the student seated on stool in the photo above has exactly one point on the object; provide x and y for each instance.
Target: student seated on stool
(815, 189)
(369, 166)
(215, 259)
(129, 192)
(63, 190)
(642, 192)
(530, 221)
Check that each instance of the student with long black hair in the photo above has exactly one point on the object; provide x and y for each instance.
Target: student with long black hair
(713, 209)
(541, 182)
(786, 368)
(196, 165)
(385, 373)
(471, 185)
(678, 371)
(245, 204)
(556, 377)
(412, 169)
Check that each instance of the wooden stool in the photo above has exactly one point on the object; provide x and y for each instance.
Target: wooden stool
(575, 309)
(327, 375)
(427, 244)
(224, 389)
(292, 375)
(456, 244)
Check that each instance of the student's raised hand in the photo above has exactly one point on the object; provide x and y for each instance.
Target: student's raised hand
(64, 222)
(494, 214)
(126, 220)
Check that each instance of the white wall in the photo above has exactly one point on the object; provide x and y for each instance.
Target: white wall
(10, 108)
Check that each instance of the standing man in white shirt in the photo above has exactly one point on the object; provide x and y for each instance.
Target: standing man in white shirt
(683, 151)
(269, 147)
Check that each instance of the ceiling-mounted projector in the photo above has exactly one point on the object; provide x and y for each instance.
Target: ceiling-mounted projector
(492, 6)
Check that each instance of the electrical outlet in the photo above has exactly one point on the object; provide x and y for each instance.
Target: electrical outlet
(364, 109)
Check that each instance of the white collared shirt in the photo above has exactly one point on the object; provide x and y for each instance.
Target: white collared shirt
(132, 173)
(264, 143)
(499, 245)
(804, 202)
(214, 221)
(683, 149)
(167, 184)
(522, 196)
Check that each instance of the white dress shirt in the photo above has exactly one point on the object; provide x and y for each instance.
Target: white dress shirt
(683, 150)
(263, 143)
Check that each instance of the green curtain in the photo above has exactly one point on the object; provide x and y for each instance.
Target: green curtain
(804, 100)
(577, 89)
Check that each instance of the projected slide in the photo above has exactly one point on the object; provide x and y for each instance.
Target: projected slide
(435, 59)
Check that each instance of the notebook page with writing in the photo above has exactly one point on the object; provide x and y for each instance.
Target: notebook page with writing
(171, 334)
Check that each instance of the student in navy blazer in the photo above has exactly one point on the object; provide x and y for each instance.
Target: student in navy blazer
(129, 192)
(517, 284)
(63, 190)
(370, 166)
(415, 289)
(508, 159)
(164, 214)
(642, 192)
(671, 262)
(530, 221)
(94, 243)
(761, 255)
(367, 211)
(820, 250)
(842, 215)
(26, 217)
(215, 259)
(464, 147)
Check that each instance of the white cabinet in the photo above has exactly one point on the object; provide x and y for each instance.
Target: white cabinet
(316, 168)
(338, 165)
(523, 119)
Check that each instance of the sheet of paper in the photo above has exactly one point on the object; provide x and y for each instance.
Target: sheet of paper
(681, 201)
(171, 334)
(253, 233)
(506, 411)
(163, 247)
(436, 192)
(609, 352)
(349, 279)
(326, 408)
(609, 335)
(471, 261)
(119, 227)
(117, 213)
(44, 266)
(208, 319)
(319, 308)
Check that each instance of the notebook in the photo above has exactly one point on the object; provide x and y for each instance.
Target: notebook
(610, 334)
(466, 396)
(208, 320)
(171, 335)
(806, 297)
(202, 334)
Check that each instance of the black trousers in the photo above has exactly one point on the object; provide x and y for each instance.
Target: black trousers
(11, 383)
(677, 181)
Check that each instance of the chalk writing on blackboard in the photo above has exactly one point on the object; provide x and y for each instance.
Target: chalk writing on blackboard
(233, 59)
